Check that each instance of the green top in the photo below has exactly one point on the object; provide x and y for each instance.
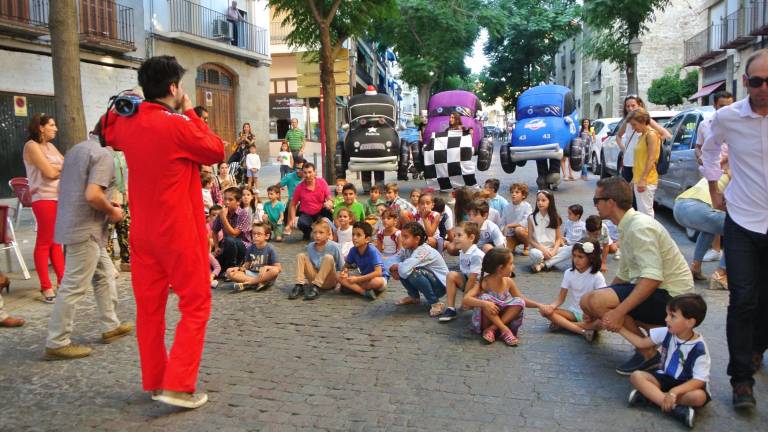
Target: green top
(121, 171)
(648, 251)
(295, 138)
(371, 207)
(291, 181)
(357, 209)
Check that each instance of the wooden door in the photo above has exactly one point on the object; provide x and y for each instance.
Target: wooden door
(98, 18)
(215, 92)
(14, 10)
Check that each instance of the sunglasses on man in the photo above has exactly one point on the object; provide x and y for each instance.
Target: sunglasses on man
(755, 81)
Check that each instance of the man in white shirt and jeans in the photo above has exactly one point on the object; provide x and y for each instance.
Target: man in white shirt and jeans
(744, 125)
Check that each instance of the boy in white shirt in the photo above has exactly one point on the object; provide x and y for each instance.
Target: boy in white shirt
(490, 234)
(682, 381)
(470, 265)
(514, 220)
(252, 166)
(573, 231)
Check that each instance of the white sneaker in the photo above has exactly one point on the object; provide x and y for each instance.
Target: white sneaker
(711, 255)
(183, 400)
(617, 255)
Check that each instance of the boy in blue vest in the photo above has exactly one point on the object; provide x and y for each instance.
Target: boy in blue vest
(682, 381)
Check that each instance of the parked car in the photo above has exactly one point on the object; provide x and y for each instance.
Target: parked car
(683, 170)
(546, 131)
(602, 128)
(611, 155)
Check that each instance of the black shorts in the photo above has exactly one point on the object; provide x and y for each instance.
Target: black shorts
(668, 383)
(652, 311)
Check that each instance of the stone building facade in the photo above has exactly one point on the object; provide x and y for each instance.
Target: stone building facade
(600, 87)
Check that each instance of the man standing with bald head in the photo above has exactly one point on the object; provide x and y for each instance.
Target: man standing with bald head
(744, 125)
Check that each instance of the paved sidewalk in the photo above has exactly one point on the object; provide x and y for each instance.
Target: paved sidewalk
(345, 363)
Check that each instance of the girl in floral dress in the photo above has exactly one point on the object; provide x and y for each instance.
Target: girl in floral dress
(497, 302)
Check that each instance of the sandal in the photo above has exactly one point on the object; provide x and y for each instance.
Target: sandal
(536, 268)
(509, 338)
(718, 281)
(407, 301)
(489, 335)
(47, 299)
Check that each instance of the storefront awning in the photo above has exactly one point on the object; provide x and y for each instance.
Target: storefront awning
(706, 90)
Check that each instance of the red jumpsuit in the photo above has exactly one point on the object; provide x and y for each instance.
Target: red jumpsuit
(169, 246)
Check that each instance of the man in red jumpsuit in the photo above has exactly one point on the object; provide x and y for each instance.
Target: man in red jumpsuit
(169, 246)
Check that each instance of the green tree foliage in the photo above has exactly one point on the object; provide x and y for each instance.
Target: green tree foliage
(522, 54)
(613, 23)
(324, 25)
(432, 37)
(670, 90)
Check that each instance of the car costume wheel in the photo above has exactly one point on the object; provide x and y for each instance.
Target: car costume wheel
(340, 160)
(594, 164)
(484, 154)
(405, 159)
(576, 154)
(506, 164)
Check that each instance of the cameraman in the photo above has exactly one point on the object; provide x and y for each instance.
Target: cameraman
(169, 243)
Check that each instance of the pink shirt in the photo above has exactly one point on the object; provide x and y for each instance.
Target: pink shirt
(41, 187)
(311, 200)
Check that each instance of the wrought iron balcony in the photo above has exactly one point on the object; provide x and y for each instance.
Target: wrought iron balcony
(757, 17)
(191, 18)
(104, 24)
(24, 17)
(736, 30)
(703, 46)
(107, 25)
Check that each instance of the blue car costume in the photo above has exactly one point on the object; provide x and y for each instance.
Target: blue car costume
(546, 131)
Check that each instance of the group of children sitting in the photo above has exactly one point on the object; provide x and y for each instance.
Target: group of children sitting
(393, 238)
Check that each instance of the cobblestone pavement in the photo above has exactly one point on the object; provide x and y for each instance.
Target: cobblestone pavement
(344, 363)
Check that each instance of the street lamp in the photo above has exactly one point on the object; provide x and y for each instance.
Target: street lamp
(635, 45)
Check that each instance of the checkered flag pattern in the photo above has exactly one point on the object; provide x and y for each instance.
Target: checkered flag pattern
(448, 160)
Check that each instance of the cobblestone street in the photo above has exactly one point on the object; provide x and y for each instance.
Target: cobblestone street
(345, 363)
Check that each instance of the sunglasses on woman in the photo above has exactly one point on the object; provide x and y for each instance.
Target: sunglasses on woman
(755, 81)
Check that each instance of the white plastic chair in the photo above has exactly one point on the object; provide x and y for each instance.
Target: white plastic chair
(8, 241)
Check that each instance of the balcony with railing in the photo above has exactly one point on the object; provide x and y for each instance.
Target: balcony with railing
(24, 17)
(107, 25)
(212, 27)
(757, 17)
(703, 46)
(736, 30)
(278, 33)
(104, 24)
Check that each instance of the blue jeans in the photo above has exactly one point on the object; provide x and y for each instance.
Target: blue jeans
(746, 326)
(424, 282)
(700, 216)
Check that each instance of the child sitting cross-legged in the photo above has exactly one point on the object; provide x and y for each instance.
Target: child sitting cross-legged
(349, 202)
(573, 231)
(514, 219)
(470, 263)
(544, 232)
(597, 232)
(583, 277)
(388, 238)
(343, 233)
(373, 202)
(316, 269)
(261, 266)
(682, 382)
(420, 268)
(497, 301)
(429, 219)
(367, 259)
(274, 212)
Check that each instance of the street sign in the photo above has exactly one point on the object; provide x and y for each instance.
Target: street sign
(314, 92)
(308, 75)
(20, 106)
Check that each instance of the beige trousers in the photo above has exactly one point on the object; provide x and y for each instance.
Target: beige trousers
(324, 277)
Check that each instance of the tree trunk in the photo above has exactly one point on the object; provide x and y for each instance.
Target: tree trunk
(424, 93)
(328, 83)
(65, 53)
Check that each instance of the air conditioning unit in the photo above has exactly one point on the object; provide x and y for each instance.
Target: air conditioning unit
(222, 30)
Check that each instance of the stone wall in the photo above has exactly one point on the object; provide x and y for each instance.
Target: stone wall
(33, 74)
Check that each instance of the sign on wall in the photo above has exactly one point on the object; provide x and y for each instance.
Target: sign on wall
(20, 106)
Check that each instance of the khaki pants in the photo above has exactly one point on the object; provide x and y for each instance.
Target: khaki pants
(324, 277)
(87, 264)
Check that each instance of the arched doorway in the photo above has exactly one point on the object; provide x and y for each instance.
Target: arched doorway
(598, 111)
(216, 92)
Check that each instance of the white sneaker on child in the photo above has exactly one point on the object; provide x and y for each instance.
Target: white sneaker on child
(711, 255)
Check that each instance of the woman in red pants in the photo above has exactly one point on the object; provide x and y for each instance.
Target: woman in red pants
(43, 162)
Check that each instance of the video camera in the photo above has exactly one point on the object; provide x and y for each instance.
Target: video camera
(126, 104)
